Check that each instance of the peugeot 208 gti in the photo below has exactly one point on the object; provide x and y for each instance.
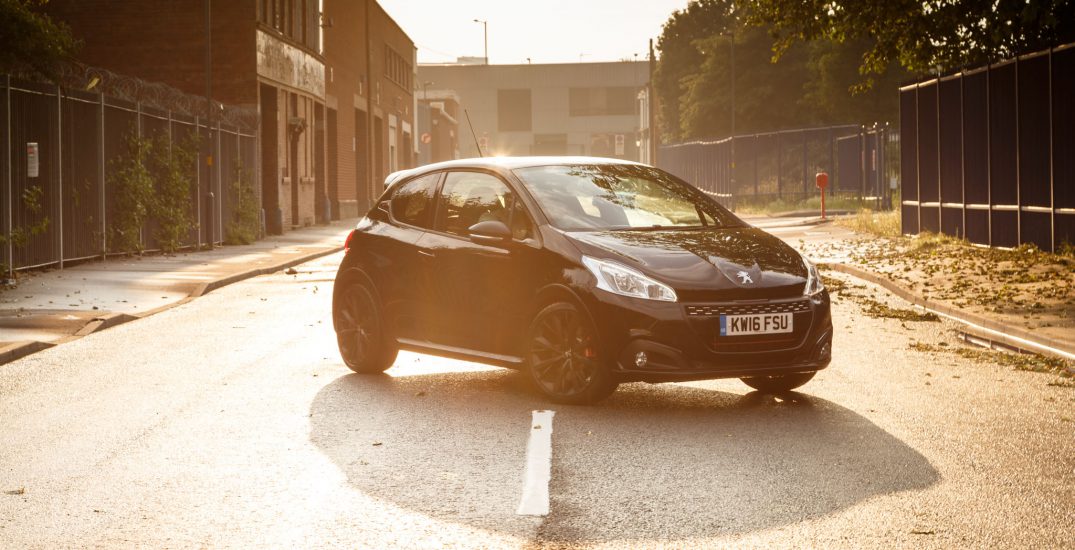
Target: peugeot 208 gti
(582, 272)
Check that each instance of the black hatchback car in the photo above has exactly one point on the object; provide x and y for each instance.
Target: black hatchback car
(583, 272)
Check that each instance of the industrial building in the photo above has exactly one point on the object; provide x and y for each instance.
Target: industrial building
(547, 109)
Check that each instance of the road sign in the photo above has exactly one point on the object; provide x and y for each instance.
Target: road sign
(426, 138)
(33, 164)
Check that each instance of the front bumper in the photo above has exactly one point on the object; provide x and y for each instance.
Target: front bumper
(681, 342)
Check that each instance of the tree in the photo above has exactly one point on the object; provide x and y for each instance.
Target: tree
(923, 36)
(31, 43)
(811, 84)
(680, 56)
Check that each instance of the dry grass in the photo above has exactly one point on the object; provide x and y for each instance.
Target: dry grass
(748, 207)
(881, 224)
(1019, 361)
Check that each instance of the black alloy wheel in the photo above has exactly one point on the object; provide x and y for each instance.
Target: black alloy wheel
(562, 357)
(778, 383)
(360, 334)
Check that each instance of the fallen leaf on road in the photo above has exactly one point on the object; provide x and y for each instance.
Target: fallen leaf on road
(420, 394)
(923, 532)
(377, 443)
(19, 491)
(291, 271)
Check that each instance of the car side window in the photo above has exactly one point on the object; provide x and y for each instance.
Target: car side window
(521, 226)
(472, 197)
(412, 203)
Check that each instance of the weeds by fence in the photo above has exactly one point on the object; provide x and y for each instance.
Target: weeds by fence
(120, 169)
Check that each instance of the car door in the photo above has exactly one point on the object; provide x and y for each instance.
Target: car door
(479, 290)
(402, 283)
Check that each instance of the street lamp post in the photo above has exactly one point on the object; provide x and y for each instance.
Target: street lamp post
(485, 28)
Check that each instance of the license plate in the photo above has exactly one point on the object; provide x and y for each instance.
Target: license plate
(764, 323)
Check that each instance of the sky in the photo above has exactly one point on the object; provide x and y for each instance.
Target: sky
(546, 31)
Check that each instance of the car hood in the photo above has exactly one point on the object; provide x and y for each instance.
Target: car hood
(702, 260)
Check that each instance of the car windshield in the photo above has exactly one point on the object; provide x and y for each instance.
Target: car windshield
(597, 197)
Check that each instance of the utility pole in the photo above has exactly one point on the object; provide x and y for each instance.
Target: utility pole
(209, 116)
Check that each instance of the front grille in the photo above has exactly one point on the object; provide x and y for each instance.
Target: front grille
(712, 310)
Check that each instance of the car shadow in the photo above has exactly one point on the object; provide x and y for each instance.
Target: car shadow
(662, 462)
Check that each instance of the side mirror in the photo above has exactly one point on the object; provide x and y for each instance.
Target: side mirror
(490, 233)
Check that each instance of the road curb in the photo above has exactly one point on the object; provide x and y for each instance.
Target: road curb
(1015, 337)
(206, 288)
(19, 350)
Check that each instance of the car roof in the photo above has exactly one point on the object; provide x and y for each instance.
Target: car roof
(509, 163)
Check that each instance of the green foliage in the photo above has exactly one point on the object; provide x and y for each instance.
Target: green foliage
(132, 183)
(243, 225)
(172, 206)
(812, 84)
(153, 179)
(920, 36)
(680, 58)
(21, 234)
(31, 43)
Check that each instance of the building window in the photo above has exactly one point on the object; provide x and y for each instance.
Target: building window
(397, 68)
(513, 113)
(615, 101)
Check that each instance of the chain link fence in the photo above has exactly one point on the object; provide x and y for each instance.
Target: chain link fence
(60, 144)
(765, 168)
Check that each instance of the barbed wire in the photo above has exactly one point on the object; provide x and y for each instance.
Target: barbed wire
(154, 94)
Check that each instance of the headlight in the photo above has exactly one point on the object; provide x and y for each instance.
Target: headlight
(622, 280)
(814, 285)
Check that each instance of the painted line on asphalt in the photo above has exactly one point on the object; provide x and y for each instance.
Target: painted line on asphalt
(535, 500)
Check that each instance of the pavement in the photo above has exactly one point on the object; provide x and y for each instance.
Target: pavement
(231, 422)
(55, 306)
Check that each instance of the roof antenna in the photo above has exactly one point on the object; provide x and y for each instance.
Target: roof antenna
(480, 155)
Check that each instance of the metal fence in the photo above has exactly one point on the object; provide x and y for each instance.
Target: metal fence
(78, 136)
(762, 168)
(990, 152)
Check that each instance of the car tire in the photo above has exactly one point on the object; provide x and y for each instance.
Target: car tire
(365, 345)
(563, 358)
(778, 383)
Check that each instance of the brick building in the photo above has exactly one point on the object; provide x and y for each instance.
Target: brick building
(370, 97)
(275, 56)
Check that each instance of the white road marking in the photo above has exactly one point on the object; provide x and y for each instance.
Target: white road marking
(535, 500)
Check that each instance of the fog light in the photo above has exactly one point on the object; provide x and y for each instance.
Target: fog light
(641, 359)
(824, 350)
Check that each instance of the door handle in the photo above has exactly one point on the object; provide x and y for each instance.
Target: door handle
(427, 253)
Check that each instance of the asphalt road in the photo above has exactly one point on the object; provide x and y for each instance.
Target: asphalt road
(231, 422)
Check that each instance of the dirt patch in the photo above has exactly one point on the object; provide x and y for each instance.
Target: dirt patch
(1022, 287)
(873, 307)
